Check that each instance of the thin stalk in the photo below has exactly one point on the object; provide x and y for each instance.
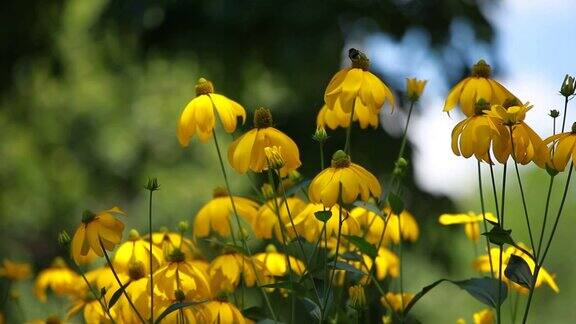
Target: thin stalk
(120, 283)
(495, 193)
(484, 217)
(501, 222)
(551, 237)
(405, 133)
(237, 217)
(93, 291)
(151, 258)
(321, 144)
(400, 267)
(521, 189)
(338, 237)
(349, 130)
(564, 116)
(544, 220)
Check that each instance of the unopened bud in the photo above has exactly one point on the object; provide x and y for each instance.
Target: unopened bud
(179, 295)
(203, 87)
(554, 113)
(568, 86)
(152, 184)
(64, 239)
(183, 226)
(320, 135)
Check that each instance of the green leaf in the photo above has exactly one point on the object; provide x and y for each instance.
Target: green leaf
(346, 267)
(369, 207)
(519, 271)
(237, 248)
(289, 285)
(174, 307)
(499, 236)
(483, 289)
(396, 203)
(117, 295)
(352, 256)
(323, 215)
(362, 245)
(312, 308)
(254, 312)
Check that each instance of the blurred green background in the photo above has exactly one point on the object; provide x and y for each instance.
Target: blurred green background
(90, 92)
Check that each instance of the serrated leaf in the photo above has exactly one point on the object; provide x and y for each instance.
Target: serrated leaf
(339, 265)
(369, 207)
(362, 245)
(174, 307)
(518, 271)
(323, 215)
(117, 295)
(396, 203)
(499, 236)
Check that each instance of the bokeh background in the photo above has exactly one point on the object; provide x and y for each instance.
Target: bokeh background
(90, 91)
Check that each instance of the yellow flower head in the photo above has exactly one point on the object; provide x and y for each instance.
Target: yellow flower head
(485, 316)
(14, 271)
(168, 241)
(482, 263)
(387, 264)
(95, 228)
(216, 312)
(470, 221)
(563, 148)
(475, 87)
(217, 213)
(408, 224)
(396, 302)
(310, 227)
(199, 116)
(139, 292)
(334, 118)
(414, 88)
(59, 278)
(511, 112)
(479, 133)
(276, 264)
(357, 87)
(266, 222)
(345, 181)
(182, 275)
(226, 270)
(135, 254)
(92, 310)
(357, 296)
(248, 151)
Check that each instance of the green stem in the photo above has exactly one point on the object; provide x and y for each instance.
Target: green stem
(338, 237)
(484, 218)
(400, 268)
(349, 131)
(151, 258)
(551, 237)
(120, 282)
(405, 134)
(501, 222)
(237, 217)
(93, 291)
(544, 220)
(564, 116)
(494, 192)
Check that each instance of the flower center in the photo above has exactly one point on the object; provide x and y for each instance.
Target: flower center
(481, 69)
(262, 118)
(136, 270)
(176, 256)
(204, 87)
(133, 235)
(220, 192)
(574, 128)
(359, 59)
(87, 216)
(480, 106)
(340, 159)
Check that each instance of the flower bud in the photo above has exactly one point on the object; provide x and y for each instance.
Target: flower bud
(481, 69)
(568, 86)
(179, 295)
(357, 296)
(152, 184)
(267, 191)
(274, 157)
(203, 87)
(133, 235)
(414, 88)
(554, 113)
(481, 106)
(64, 239)
(262, 118)
(340, 159)
(320, 135)
(183, 226)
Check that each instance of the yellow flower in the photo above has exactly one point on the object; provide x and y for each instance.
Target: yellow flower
(374, 224)
(221, 312)
(226, 270)
(387, 264)
(470, 221)
(274, 157)
(53, 319)
(59, 278)
(396, 302)
(92, 310)
(485, 316)
(102, 277)
(357, 87)
(180, 274)
(168, 241)
(276, 263)
(14, 271)
(334, 118)
(475, 87)
(414, 88)
(139, 292)
(563, 148)
(137, 250)
(476, 134)
(217, 213)
(102, 226)
(311, 228)
(528, 146)
(482, 263)
(247, 152)
(357, 296)
(199, 116)
(353, 179)
(266, 222)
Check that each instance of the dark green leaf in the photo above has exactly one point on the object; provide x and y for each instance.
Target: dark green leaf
(369, 207)
(421, 294)
(396, 203)
(289, 285)
(254, 312)
(174, 307)
(117, 295)
(519, 271)
(346, 267)
(499, 236)
(312, 308)
(484, 289)
(362, 245)
(351, 256)
(323, 215)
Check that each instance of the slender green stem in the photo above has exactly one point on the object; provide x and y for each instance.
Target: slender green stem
(564, 116)
(545, 219)
(494, 192)
(349, 130)
(338, 237)
(481, 190)
(550, 238)
(120, 283)
(521, 189)
(94, 292)
(151, 256)
(405, 133)
(321, 144)
(400, 267)
(237, 217)
(501, 222)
